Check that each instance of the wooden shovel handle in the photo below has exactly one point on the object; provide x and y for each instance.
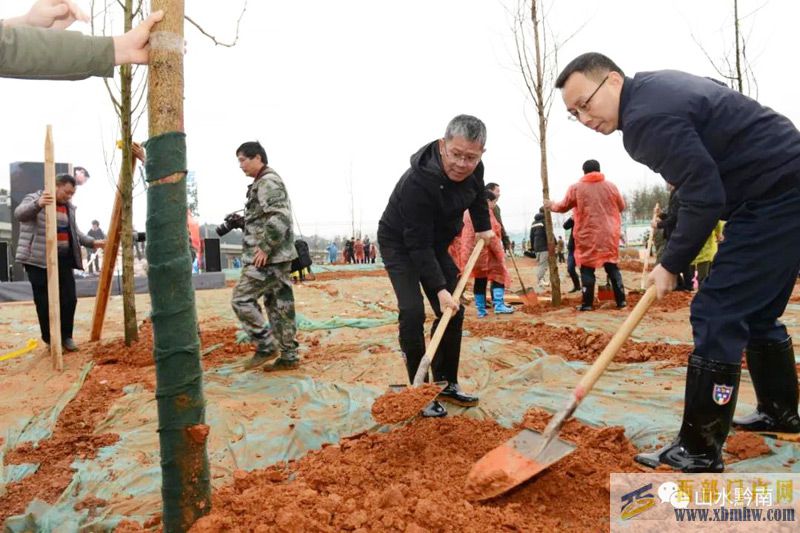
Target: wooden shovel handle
(427, 359)
(649, 246)
(601, 363)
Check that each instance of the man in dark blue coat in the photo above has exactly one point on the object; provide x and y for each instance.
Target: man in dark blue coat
(424, 214)
(729, 158)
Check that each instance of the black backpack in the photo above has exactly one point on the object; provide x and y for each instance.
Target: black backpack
(303, 259)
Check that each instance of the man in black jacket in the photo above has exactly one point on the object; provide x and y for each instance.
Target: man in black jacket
(425, 212)
(728, 158)
(571, 265)
(539, 245)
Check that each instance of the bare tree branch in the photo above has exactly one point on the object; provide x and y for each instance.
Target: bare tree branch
(214, 39)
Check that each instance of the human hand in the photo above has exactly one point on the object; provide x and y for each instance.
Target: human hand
(260, 259)
(46, 198)
(138, 152)
(486, 236)
(664, 280)
(132, 47)
(51, 14)
(446, 301)
(547, 204)
(98, 244)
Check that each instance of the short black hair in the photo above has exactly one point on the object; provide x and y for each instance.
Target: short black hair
(490, 196)
(61, 179)
(588, 63)
(251, 149)
(591, 166)
(95, 223)
(491, 186)
(85, 172)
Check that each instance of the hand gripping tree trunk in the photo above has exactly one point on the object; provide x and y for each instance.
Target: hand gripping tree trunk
(181, 407)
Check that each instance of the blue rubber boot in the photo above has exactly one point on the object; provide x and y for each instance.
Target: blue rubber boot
(480, 303)
(500, 306)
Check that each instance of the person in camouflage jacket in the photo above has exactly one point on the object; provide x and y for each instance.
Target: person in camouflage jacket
(267, 253)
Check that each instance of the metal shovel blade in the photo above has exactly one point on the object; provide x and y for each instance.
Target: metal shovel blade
(513, 463)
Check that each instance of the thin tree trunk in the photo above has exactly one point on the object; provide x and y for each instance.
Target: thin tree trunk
(555, 281)
(738, 53)
(126, 188)
(182, 430)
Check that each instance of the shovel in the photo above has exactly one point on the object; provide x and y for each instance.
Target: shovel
(425, 363)
(430, 351)
(529, 452)
(529, 298)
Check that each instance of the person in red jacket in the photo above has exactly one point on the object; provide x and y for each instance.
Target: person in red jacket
(597, 205)
(491, 264)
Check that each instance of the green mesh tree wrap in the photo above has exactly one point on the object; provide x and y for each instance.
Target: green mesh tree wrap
(176, 345)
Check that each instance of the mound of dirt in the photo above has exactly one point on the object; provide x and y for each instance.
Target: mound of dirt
(412, 479)
(632, 265)
(577, 344)
(671, 302)
(347, 274)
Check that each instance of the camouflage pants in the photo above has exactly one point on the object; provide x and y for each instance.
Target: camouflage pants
(274, 284)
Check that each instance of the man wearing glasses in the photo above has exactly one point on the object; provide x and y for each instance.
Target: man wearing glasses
(424, 214)
(729, 158)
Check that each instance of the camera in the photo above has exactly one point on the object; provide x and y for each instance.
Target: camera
(232, 221)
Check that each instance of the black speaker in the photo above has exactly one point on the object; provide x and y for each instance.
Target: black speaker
(213, 263)
(4, 261)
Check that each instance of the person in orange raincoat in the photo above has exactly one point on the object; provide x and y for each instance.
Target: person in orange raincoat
(597, 205)
(491, 264)
(358, 247)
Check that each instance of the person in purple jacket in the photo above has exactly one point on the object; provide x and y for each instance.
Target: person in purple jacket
(729, 158)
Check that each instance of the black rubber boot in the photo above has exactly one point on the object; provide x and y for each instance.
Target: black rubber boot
(619, 290)
(588, 298)
(774, 376)
(710, 399)
(434, 410)
(453, 394)
(576, 282)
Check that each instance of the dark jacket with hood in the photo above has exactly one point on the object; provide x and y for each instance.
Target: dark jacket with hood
(538, 233)
(425, 213)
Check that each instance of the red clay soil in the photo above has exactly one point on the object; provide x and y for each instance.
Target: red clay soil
(577, 344)
(671, 302)
(347, 274)
(394, 407)
(632, 265)
(744, 445)
(73, 438)
(116, 366)
(412, 479)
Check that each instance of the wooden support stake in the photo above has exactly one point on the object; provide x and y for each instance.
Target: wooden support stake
(109, 262)
(51, 253)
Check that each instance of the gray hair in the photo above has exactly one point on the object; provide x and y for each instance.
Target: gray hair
(467, 126)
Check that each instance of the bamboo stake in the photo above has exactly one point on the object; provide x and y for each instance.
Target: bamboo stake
(51, 253)
(649, 247)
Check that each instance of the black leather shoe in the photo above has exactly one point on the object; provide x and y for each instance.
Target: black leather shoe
(434, 410)
(710, 399)
(453, 394)
(585, 308)
(772, 369)
(261, 357)
(69, 345)
(282, 364)
(575, 289)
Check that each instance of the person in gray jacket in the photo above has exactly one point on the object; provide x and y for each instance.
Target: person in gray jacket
(31, 253)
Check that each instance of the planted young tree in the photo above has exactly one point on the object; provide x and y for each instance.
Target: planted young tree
(539, 69)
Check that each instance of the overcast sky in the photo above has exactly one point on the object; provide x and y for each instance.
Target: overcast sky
(342, 93)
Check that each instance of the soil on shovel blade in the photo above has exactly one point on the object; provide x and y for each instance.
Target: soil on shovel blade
(395, 407)
(412, 479)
